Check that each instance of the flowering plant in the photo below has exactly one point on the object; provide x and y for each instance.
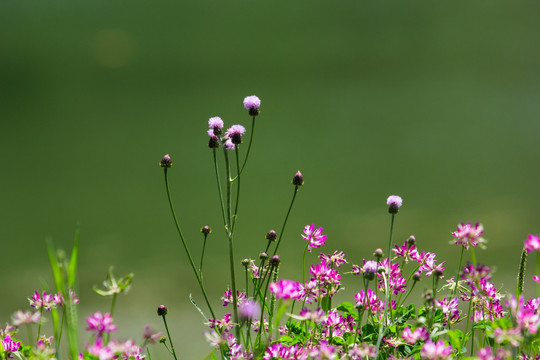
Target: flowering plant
(462, 315)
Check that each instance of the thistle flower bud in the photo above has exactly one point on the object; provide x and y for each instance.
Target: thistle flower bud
(298, 179)
(166, 161)
(271, 235)
(360, 307)
(162, 310)
(381, 270)
(206, 230)
(213, 143)
(263, 256)
(438, 273)
(411, 240)
(394, 202)
(416, 277)
(428, 297)
(275, 261)
(378, 254)
(245, 262)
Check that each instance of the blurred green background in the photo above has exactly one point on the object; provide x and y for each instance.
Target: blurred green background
(435, 101)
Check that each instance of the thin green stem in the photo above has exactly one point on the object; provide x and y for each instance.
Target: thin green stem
(185, 244)
(456, 280)
(169, 336)
(304, 265)
(219, 188)
(202, 257)
(235, 214)
(249, 146)
(113, 303)
(40, 321)
(285, 221)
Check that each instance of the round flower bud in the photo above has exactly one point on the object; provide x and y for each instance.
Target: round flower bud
(163, 339)
(216, 125)
(298, 179)
(271, 235)
(394, 202)
(213, 143)
(416, 277)
(275, 261)
(411, 240)
(166, 161)
(245, 262)
(378, 254)
(428, 297)
(263, 256)
(360, 307)
(162, 310)
(381, 270)
(206, 230)
(438, 273)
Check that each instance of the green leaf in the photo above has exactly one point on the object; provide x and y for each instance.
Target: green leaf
(72, 267)
(325, 304)
(456, 338)
(55, 267)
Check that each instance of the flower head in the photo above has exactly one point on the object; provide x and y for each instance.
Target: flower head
(394, 202)
(101, 323)
(166, 161)
(215, 124)
(235, 132)
(298, 179)
(468, 234)
(532, 243)
(162, 310)
(285, 289)
(42, 301)
(436, 351)
(252, 104)
(314, 236)
(10, 345)
(249, 309)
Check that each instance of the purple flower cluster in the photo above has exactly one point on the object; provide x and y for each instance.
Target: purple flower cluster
(469, 235)
(314, 236)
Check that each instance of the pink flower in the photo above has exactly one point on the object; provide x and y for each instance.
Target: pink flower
(252, 102)
(532, 243)
(10, 345)
(468, 234)
(394, 202)
(227, 297)
(436, 351)
(314, 236)
(43, 300)
(285, 289)
(235, 132)
(100, 324)
(26, 317)
(337, 258)
(412, 337)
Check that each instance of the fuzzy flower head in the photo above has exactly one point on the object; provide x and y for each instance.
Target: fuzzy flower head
(314, 236)
(252, 104)
(469, 235)
(285, 289)
(215, 124)
(26, 317)
(235, 132)
(394, 202)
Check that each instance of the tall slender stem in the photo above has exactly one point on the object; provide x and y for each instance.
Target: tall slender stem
(169, 336)
(185, 244)
(457, 275)
(249, 146)
(202, 256)
(280, 235)
(219, 188)
(235, 214)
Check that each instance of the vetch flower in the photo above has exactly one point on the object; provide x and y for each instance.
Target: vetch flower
(436, 351)
(394, 202)
(10, 345)
(227, 297)
(314, 236)
(412, 337)
(43, 300)
(101, 323)
(532, 243)
(285, 289)
(469, 235)
(252, 104)
(26, 317)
